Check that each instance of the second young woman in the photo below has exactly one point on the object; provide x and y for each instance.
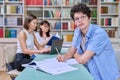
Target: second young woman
(43, 35)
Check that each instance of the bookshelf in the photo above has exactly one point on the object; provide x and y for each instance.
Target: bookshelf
(11, 18)
(109, 17)
(57, 12)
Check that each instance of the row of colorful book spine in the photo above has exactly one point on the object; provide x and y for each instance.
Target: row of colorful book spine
(9, 33)
(60, 2)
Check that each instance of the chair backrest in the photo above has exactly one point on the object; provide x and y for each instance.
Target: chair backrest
(10, 52)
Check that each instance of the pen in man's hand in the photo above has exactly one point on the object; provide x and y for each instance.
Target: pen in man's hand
(57, 51)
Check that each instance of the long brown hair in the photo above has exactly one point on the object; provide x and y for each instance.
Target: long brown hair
(28, 19)
(42, 23)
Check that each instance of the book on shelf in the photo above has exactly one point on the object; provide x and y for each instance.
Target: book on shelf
(68, 25)
(57, 25)
(71, 2)
(112, 9)
(53, 2)
(47, 14)
(94, 13)
(72, 26)
(38, 13)
(57, 13)
(10, 33)
(1, 33)
(92, 2)
(1, 9)
(59, 2)
(13, 9)
(13, 20)
(85, 2)
(67, 2)
(13, 0)
(102, 22)
(109, 0)
(104, 9)
(49, 2)
(109, 9)
(1, 20)
(7, 33)
(112, 21)
(76, 1)
(34, 2)
(111, 33)
(68, 37)
(13, 33)
(115, 21)
(65, 25)
(65, 13)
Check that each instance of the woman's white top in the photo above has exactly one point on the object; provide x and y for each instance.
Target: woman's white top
(41, 39)
(29, 42)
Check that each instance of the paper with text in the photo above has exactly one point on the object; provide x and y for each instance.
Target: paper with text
(52, 66)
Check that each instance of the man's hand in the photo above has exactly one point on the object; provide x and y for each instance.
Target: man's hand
(85, 57)
(79, 58)
(60, 58)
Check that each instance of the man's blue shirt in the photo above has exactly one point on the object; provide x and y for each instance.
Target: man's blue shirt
(103, 64)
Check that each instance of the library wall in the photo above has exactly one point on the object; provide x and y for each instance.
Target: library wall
(11, 17)
(57, 12)
(105, 13)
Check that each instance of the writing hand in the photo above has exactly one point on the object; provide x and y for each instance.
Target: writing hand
(60, 58)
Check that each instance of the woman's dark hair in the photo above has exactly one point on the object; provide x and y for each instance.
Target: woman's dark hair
(80, 8)
(42, 23)
(28, 19)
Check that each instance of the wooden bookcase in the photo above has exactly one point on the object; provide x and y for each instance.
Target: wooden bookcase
(109, 17)
(11, 17)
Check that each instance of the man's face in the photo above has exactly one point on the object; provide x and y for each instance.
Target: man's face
(81, 20)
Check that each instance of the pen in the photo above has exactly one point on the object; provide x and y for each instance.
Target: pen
(57, 51)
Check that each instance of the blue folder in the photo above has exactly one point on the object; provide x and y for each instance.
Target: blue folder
(52, 38)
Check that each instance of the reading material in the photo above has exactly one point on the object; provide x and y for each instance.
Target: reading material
(51, 66)
(52, 38)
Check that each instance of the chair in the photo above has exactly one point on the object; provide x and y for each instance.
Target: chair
(10, 52)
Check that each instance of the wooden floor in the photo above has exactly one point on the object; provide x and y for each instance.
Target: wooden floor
(4, 76)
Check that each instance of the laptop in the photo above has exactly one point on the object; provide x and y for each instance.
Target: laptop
(56, 44)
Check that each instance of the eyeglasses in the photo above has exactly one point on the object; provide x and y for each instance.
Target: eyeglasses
(80, 18)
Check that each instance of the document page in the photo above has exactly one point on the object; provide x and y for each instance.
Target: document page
(71, 61)
(52, 66)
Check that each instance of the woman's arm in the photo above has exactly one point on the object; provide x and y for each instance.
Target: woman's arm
(22, 39)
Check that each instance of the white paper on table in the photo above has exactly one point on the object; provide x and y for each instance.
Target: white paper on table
(71, 61)
(53, 67)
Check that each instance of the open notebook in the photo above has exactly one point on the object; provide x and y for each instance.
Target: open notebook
(52, 66)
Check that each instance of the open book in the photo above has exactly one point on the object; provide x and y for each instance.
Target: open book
(51, 39)
(52, 66)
